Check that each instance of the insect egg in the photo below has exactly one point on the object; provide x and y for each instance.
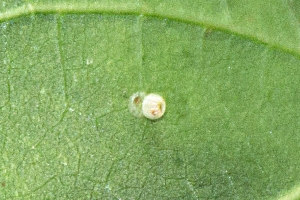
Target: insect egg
(153, 106)
(135, 104)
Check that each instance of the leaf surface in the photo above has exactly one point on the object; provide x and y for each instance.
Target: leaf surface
(229, 72)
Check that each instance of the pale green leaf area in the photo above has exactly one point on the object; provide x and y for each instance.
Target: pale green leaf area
(228, 70)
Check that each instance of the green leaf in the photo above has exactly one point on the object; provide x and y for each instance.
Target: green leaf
(229, 71)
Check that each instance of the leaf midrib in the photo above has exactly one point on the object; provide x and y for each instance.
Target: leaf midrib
(81, 8)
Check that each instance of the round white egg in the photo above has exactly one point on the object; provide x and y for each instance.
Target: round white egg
(153, 106)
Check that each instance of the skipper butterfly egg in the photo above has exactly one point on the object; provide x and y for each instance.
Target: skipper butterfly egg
(153, 106)
(135, 104)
